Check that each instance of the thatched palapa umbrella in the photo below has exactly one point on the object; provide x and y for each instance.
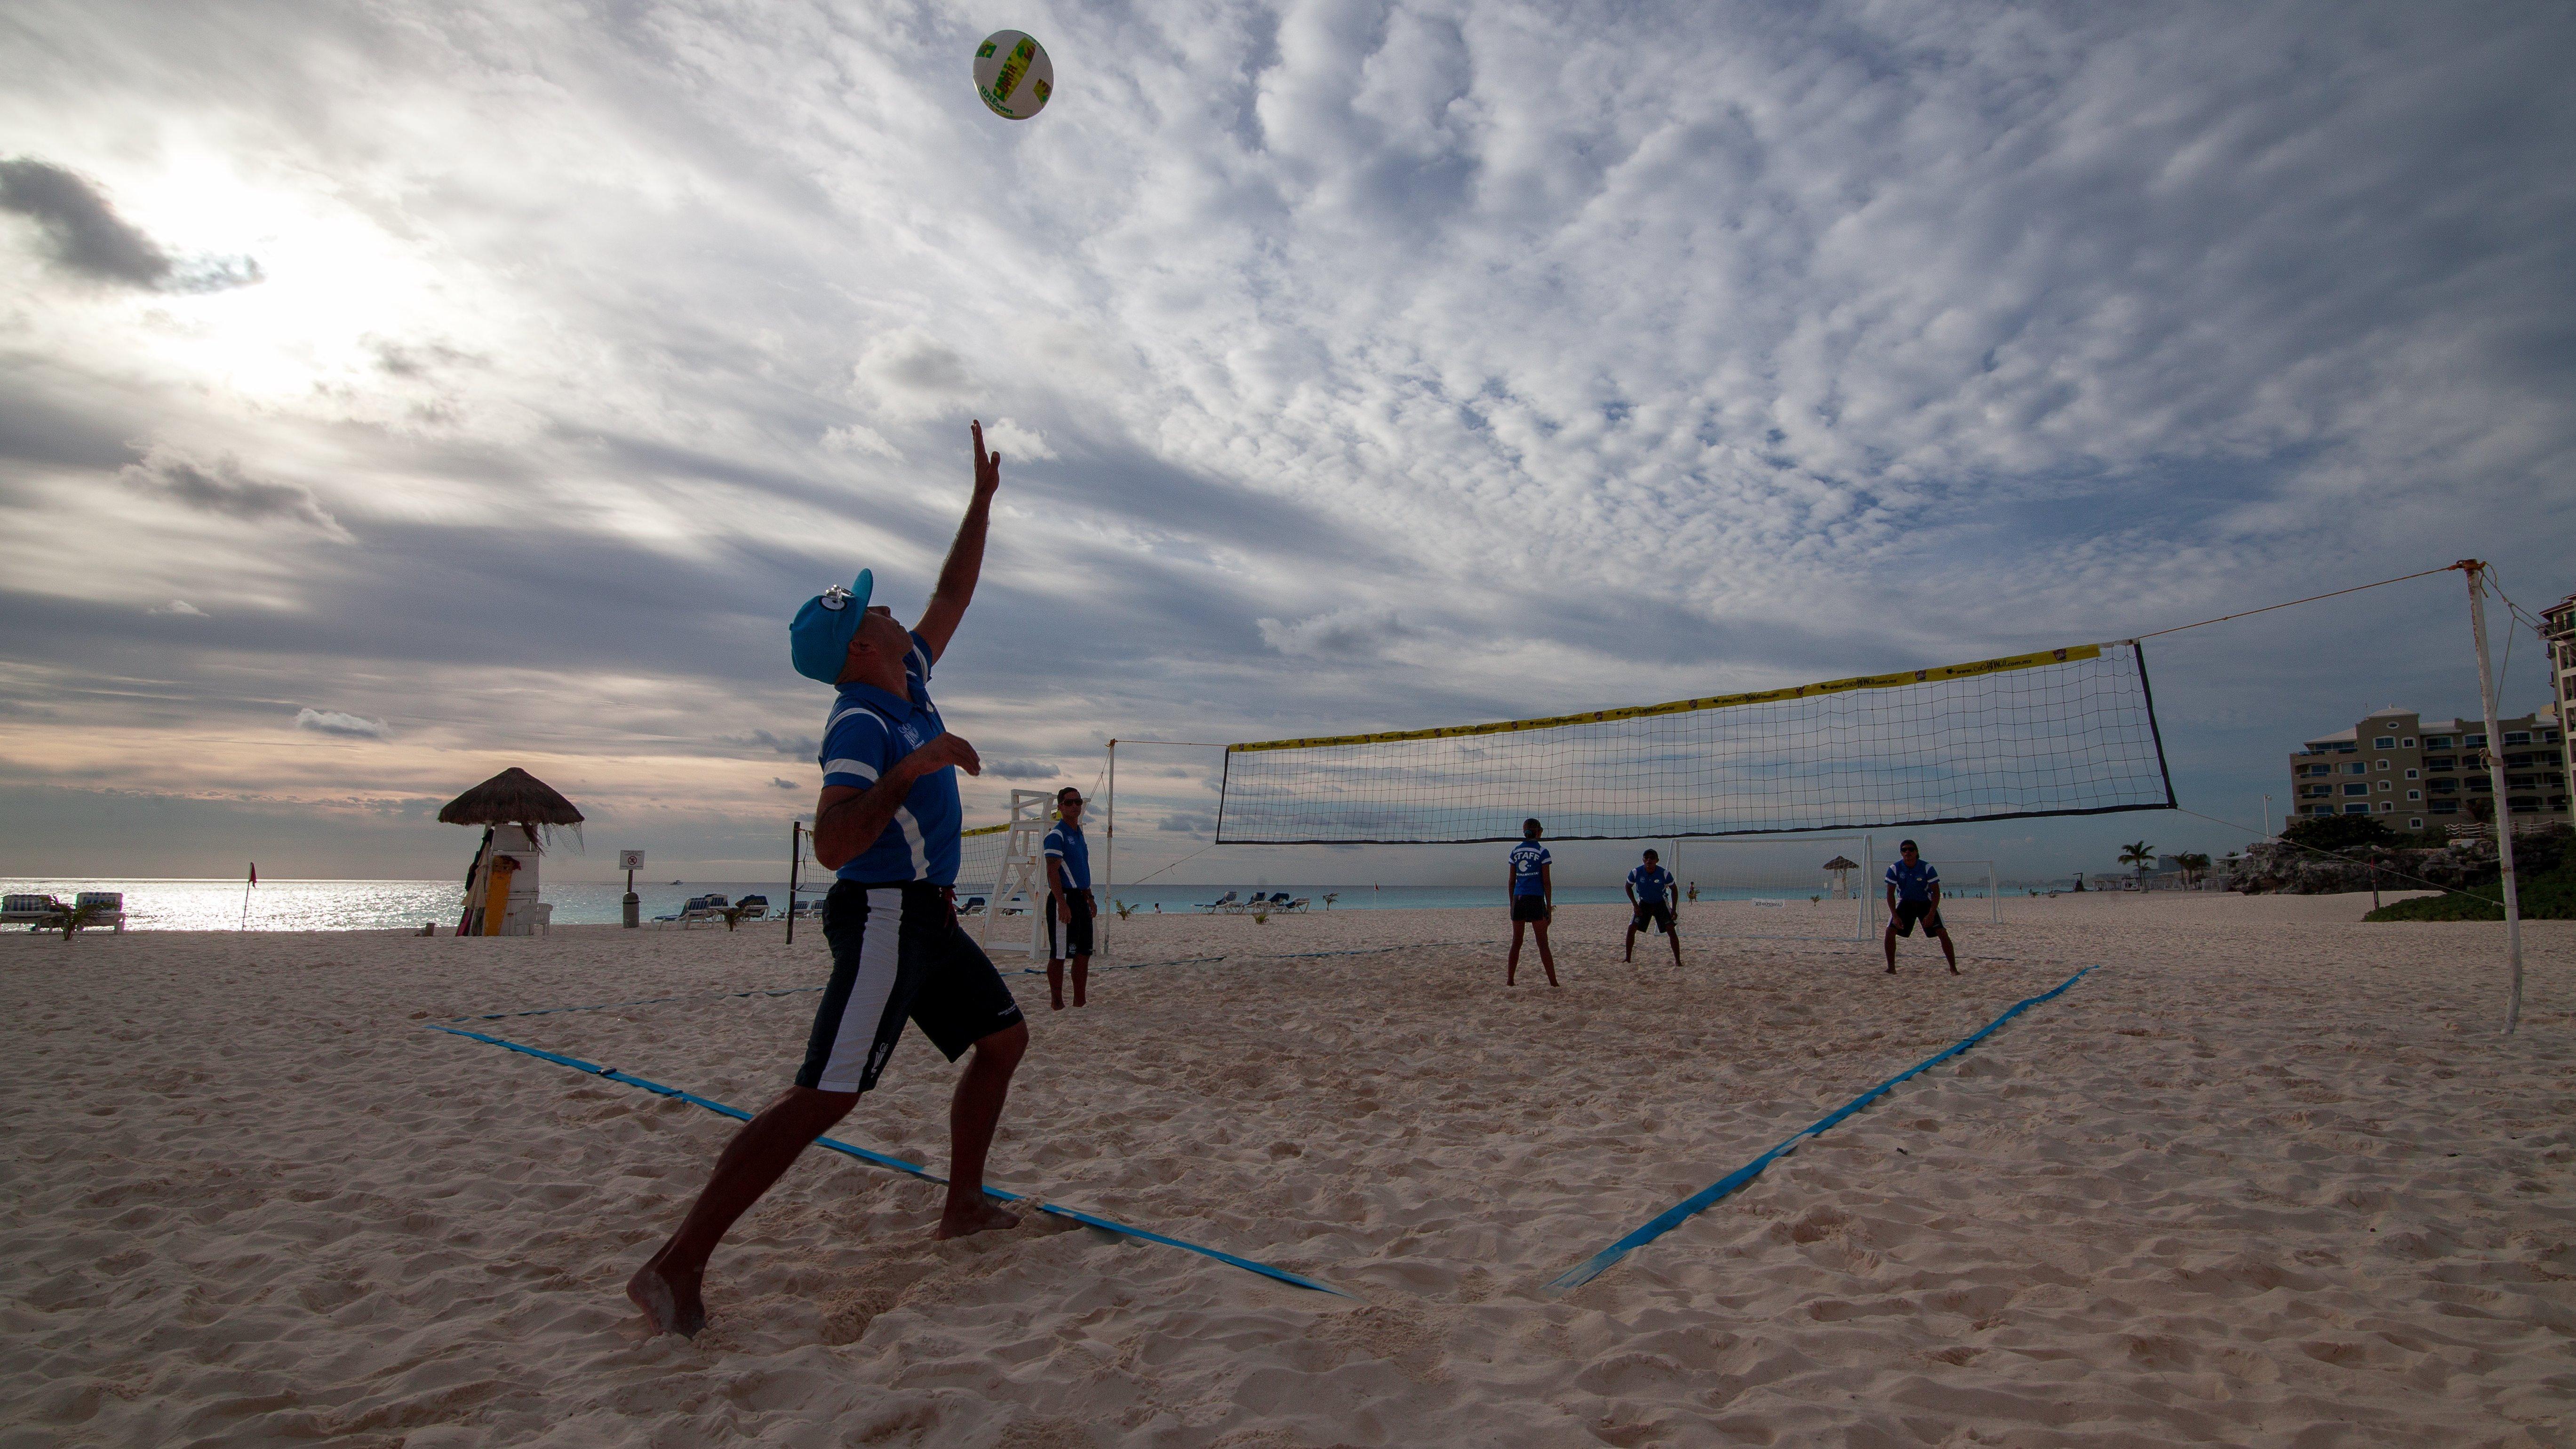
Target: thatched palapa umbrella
(1842, 867)
(525, 807)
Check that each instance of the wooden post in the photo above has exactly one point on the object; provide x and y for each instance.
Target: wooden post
(795, 857)
(2476, 570)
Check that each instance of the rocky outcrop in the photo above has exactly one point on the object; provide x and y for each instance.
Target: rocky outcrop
(2278, 867)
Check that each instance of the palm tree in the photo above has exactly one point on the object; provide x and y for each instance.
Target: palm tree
(2141, 855)
(1330, 897)
(2193, 864)
(68, 919)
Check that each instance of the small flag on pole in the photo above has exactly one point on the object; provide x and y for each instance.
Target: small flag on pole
(254, 880)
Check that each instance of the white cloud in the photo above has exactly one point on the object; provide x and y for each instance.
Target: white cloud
(1351, 633)
(333, 722)
(859, 438)
(1013, 441)
(182, 607)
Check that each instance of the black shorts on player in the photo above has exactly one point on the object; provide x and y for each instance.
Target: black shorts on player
(1532, 907)
(897, 953)
(1077, 932)
(1659, 915)
(1908, 912)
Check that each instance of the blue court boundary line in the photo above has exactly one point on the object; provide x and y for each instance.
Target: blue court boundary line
(897, 1164)
(1709, 1196)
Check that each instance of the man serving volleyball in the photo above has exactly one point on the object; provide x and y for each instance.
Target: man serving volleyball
(886, 823)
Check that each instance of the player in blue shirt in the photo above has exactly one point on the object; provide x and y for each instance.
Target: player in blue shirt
(1531, 889)
(1070, 903)
(887, 823)
(1914, 894)
(1650, 901)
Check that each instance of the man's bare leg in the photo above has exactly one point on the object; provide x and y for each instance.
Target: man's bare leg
(667, 1286)
(1055, 982)
(1539, 928)
(972, 1115)
(1888, 939)
(1081, 979)
(1629, 951)
(1950, 951)
(1512, 963)
(1674, 940)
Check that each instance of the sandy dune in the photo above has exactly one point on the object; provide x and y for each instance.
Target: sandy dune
(2271, 1176)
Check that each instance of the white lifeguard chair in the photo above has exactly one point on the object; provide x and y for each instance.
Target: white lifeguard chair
(1022, 882)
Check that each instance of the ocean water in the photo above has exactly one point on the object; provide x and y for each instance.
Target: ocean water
(379, 905)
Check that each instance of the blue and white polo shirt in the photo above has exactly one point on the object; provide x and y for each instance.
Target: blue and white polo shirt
(1066, 844)
(869, 730)
(1652, 883)
(1527, 857)
(1915, 882)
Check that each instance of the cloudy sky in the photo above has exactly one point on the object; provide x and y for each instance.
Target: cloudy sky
(393, 392)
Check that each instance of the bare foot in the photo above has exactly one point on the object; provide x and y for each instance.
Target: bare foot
(1059, 1003)
(668, 1298)
(971, 1218)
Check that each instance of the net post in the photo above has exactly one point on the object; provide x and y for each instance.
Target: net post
(1109, 852)
(1869, 885)
(2476, 570)
(795, 852)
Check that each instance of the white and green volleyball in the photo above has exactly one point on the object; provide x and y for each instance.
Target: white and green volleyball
(1013, 74)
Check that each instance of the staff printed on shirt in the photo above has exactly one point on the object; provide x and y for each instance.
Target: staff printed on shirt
(1530, 886)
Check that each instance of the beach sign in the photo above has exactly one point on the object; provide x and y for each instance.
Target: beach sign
(630, 860)
(1013, 75)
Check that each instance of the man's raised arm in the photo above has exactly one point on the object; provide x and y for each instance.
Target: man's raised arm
(965, 563)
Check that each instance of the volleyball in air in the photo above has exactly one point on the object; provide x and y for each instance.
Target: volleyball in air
(1013, 74)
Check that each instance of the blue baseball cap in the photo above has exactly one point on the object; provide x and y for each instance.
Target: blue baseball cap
(819, 640)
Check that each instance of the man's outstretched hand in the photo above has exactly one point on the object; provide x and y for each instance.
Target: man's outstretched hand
(988, 466)
(942, 752)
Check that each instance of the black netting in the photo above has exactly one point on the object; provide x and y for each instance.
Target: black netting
(2070, 738)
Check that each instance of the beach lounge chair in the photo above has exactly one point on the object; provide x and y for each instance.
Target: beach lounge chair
(111, 906)
(28, 910)
(1298, 904)
(973, 903)
(754, 908)
(704, 910)
(1219, 904)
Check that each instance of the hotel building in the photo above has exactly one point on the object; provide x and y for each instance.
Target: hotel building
(2413, 773)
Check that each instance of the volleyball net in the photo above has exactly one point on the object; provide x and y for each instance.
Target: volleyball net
(2067, 731)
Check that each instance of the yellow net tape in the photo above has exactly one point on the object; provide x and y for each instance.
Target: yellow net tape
(1897, 680)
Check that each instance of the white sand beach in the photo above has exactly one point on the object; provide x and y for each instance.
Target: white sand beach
(2270, 1176)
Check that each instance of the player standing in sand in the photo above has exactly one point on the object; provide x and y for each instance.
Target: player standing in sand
(887, 824)
(1914, 894)
(1070, 903)
(1531, 888)
(1650, 901)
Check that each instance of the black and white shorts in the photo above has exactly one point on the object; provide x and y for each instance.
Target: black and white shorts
(897, 952)
(1076, 939)
(1908, 912)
